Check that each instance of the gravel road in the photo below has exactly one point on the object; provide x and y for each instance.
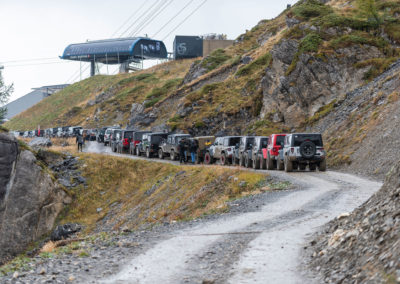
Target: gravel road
(263, 244)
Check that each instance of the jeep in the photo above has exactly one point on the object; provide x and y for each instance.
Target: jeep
(108, 134)
(136, 140)
(204, 143)
(254, 155)
(222, 149)
(302, 149)
(150, 143)
(241, 152)
(271, 152)
(100, 134)
(170, 147)
(124, 140)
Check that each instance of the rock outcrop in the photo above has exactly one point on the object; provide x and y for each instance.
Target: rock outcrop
(313, 83)
(363, 247)
(30, 200)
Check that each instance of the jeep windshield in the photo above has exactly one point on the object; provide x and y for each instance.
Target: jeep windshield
(280, 140)
(156, 139)
(300, 138)
(128, 134)
(139, 135)
(233, 141)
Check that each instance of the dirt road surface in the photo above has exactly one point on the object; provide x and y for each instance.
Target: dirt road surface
(263, 245)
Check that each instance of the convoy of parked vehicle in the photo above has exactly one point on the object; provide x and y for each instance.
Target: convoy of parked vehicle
(295, 151)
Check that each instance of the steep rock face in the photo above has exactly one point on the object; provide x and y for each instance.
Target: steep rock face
(30, 200)
(363, 125)
(8, 156)
(313, 83)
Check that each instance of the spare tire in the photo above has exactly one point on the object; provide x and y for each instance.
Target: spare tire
(307, 149)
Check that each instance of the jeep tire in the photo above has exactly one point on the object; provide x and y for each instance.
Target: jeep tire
(148, 155)
(207, 159)
(172, 155)
(160, 154)
(256, 164)
(322, 166)
(247, 162)
(263, 164)
(312, 167)
(224, 159)
(302, 167)
(134, 151)
(288, 165)
(270, 163)
(307, 149)
(241, 160)
(280, 165)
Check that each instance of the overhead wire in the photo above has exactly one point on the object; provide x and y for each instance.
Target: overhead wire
(185, 19)
(173, 17)
(162, 9)
(139, 18)
(28, 60)
(34, 64)
(146, 18)
(129, 18)
(155, 15)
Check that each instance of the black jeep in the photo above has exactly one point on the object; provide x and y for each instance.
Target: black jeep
(150, 143)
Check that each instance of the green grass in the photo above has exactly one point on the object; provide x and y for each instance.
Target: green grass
(322, 112)
(357, 38)
(310, 43)
(261, 62)
(20, 263)
(156, 94)
(3, 129)
(215, 59)
(311, 9)
(377, 66)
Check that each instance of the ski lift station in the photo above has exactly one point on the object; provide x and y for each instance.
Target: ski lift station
(123, 51)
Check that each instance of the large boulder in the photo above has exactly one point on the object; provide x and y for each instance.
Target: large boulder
(30, 200)
(40, 142)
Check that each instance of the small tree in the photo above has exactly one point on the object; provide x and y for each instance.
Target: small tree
(367, 8)
(5, 92)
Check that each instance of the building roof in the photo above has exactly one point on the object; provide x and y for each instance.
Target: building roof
(114, 51)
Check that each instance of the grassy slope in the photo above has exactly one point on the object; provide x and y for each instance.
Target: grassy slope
(134, 192)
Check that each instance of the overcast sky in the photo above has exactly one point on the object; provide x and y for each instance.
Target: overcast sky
(41, 29)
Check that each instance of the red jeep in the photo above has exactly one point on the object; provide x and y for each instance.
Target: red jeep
(271, 153)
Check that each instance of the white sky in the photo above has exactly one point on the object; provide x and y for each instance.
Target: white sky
(43, 28)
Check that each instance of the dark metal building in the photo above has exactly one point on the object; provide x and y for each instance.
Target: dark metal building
(115, 51)
(188, 47)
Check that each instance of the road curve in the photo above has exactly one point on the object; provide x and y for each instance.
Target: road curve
(263, 246)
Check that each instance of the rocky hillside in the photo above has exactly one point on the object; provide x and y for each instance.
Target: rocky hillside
(363, 247)
(286, 74)
(30, 199)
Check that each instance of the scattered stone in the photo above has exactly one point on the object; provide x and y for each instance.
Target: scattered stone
(98, 210)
